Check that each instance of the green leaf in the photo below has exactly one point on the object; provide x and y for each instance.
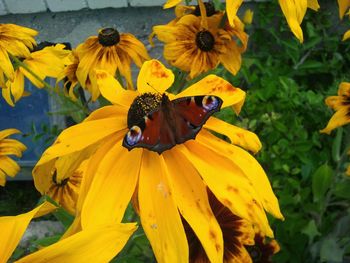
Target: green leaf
(311, 230)
(342, 189)
(321, 182)
(331, 251)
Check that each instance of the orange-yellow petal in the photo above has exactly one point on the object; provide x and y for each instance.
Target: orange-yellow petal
(190, 195)
(343, 7)
(13, 227)
(238, 136)
(232, 7)
(112, 187)
(158, 212)
(171, 3)
(98, 245)
(346, 35)
(111, 89)
(154, 77)
(338, 119)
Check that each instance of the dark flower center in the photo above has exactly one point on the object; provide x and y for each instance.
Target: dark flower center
(141, 106)
(205, 40)
(209, 8)
(254, 253)
(108, 37)
(60, 184)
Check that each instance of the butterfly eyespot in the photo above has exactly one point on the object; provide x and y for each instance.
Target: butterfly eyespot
(210, 102)
(134, 135)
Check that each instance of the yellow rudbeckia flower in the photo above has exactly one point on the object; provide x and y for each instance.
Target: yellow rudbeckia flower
(195, 48)
(294, 11)
(110, 51)
(48, 62)
(15, 40)
(344, 5)
(9, 147)
(237, 233)
(341, 104)
(174, 180)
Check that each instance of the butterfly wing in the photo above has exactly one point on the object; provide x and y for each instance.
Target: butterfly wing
(172, 123)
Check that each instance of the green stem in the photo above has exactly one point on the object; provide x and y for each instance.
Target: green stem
(47, 86)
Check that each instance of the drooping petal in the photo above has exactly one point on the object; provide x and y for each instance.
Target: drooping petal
(228, 183)
(11, 147)
(13, 227)
(171, 3)
(9, 166)
(214, 85)
(238, 136)
(231, 59)
(112, 187)
(343, 7)
(338, 119)
(190, 195)
(346, 35)
(5, 64)
(159, 215)
(249, 166)
(7, 132)
(231, 9)
(154, 77)
(82, 135)
(17, 86)
(313, 4)
(294, 11)
(112, 90)
(98, 244)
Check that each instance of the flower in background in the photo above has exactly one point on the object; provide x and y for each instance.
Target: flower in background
(232, 7)
(237, 233)
(48, 62)
(294, 11)
(263, 249)
(16, 41)
(177, 178)
(341, 104)
(198, 44)
(9, 147)
(69, 73)
(248, 17)
(110, 51)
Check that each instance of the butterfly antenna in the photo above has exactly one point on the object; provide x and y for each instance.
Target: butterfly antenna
(153, 88)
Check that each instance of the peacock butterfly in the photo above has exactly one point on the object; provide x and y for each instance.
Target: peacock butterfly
(158, 124)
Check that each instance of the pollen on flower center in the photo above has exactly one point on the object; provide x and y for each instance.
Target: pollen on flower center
(209, 8)
(54, 179)
(108, 37)
(141, 106)
(205, 40)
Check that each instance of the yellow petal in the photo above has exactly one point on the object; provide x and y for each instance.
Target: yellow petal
(228, 183)
(82, 135)
(7, 132)
(6, 94)
(13, 227)
(17, 86)
(238, 136)
(313, 4)
(112, 90)
(231, 9)
(171, 3)
(231, 59)
(343, 7)
(99, 245)
(248, 16)
(346, 35)
(249, 166)
(9, 166)
(159, 215)
(344, 89)
(190, 195)
(6, 65)
(108, 112)
(294, 11)
(340, 118)
(154, 77)
(112, 187)
(11, 147)
(214, 85)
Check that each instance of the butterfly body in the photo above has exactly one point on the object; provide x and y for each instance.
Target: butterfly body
(171, 123)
